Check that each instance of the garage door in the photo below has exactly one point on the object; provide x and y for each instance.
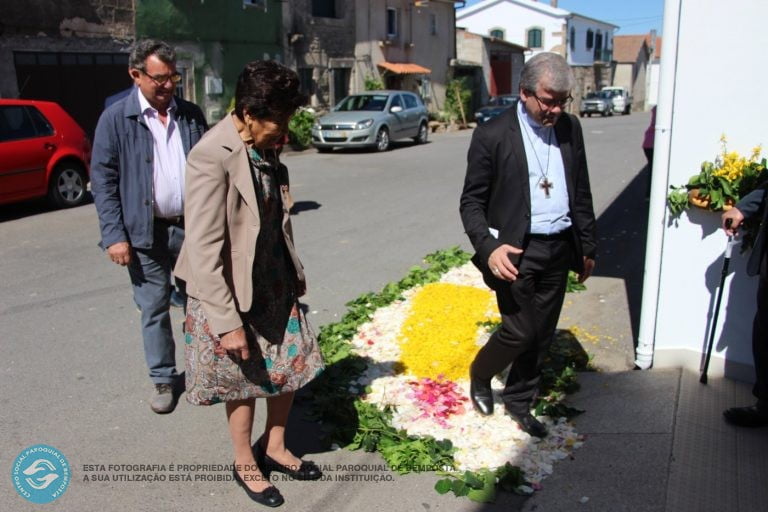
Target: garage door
(79, 82)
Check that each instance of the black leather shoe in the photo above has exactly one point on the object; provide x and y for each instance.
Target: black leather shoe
(270, 496)
(752, 416)
(529, 424)
(308, 470)
(481, 395)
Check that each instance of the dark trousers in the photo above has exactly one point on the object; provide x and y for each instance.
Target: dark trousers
(530, 308)
(760, 335)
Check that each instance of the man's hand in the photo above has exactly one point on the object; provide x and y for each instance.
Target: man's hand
(500, 263)
(736, 218)
(236, 343)
(589, 266)
(120, 253)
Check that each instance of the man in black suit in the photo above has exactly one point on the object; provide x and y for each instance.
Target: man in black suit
(527, 209)
(751, 205)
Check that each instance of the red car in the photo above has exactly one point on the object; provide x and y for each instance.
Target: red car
(43, 152)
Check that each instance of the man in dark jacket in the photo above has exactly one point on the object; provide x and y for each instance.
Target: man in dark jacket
(137, 176)
(527, 209)
(751, 205)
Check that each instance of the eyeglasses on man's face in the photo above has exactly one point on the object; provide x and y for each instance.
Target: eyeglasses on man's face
(163, 79)
(550, 103)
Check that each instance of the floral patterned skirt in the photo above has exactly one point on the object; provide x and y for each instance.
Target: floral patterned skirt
(212, 376)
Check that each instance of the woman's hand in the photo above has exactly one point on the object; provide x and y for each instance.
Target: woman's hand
(735, 217)
(236, 343)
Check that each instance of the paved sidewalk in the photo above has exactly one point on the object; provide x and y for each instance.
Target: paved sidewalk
(656, 441)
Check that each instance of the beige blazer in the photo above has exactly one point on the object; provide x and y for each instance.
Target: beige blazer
(222, 225)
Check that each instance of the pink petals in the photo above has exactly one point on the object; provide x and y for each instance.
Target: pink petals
(437, 399)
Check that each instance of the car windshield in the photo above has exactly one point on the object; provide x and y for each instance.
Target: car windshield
(369, 102)
(603, 95)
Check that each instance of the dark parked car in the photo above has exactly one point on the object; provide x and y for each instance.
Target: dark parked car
(372, 119)
(43, 152)
(495, 106)
(597, 103)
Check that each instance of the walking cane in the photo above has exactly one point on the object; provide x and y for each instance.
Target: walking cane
(713, 328)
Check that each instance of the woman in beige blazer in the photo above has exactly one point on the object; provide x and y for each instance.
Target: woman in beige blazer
(246, 336)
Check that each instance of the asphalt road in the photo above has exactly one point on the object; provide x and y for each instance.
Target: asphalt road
(71, 364)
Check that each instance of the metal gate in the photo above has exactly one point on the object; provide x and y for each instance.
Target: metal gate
(79, 82)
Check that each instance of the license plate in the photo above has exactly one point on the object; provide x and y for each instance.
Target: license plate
(333, 134)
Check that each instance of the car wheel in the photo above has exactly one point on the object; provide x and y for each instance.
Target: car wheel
(627, 111)
(603, 114)
(382, 139)
(67, 186)
(581, 114)
(421, 138)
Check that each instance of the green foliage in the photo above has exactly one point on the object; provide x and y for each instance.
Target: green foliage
(360, 425)
(452, 102)
(573, 284)
(480, 486)
(722, 182)
(677, 200)
(334, 338)
(372, 83)
(403, 453)
(333, 403)
(300, 128)
(441, 116)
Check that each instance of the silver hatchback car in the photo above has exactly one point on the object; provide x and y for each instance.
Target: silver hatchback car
(372, 119)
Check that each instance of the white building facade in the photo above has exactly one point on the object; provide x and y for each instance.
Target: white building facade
(542, 28)
(585, 43)
(684, 256)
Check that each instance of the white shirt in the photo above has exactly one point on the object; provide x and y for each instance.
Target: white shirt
(549, 215)
(168, 160)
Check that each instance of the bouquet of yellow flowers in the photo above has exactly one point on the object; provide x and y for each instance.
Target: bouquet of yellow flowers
(721, 183)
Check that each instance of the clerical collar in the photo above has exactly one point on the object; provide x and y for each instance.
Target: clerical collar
(522, 113)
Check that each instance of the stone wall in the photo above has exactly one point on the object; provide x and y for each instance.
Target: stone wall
(55, 26)
(320, 44)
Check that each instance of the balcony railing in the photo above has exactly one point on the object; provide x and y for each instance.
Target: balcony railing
(602, 55)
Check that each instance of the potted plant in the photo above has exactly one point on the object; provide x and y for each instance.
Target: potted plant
(721, 183)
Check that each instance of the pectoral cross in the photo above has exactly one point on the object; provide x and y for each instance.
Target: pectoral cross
(546, 185)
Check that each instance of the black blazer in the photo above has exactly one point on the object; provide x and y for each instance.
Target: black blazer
(496, 189)
(751, 205)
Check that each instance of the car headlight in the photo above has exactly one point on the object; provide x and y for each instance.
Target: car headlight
(317, 125)
(364, 124)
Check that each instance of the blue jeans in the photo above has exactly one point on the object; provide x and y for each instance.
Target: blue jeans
(150, 272)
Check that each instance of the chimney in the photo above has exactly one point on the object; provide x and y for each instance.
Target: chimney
(553, 3)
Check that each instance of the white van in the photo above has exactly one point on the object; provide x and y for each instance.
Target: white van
(622, 101)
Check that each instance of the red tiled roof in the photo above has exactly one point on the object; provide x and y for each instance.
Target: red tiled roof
(626, 48)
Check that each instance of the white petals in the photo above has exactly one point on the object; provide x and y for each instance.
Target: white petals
(481, 442)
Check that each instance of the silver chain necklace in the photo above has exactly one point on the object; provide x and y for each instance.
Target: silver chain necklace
(543, 182)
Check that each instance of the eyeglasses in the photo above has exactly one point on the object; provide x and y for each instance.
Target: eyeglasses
(550, 103)
(162, 79)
